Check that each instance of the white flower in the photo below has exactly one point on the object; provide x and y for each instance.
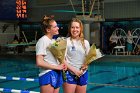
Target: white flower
(98, 54)
(60, 38)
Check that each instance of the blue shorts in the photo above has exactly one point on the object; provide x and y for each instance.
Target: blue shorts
(82, 80)
(129, 47)
(54, 78)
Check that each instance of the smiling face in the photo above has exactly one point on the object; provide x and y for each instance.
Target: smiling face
(53, 29)
(49, 27)
(75, 30)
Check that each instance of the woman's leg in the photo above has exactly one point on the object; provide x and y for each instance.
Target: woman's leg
(56, 90)
(69, 88)
(46, 89)
(81, 89)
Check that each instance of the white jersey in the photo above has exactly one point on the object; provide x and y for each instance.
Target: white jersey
(75, 52)
(129, 39)
(42, 49)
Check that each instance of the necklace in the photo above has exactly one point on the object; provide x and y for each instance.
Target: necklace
(73, 47)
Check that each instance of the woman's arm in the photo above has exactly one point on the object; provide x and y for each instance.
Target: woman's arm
(41, 63)
(73, 69)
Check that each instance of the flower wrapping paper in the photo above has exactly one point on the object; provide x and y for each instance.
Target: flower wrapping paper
(58, 49)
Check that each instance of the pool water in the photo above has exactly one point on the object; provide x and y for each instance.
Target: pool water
(114, 77)
(18, 67)
(106, 75)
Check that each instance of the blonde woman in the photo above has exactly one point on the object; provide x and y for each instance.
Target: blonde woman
(50, 76)
(77, 48)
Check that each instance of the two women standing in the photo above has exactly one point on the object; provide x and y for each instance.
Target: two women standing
(50, 77)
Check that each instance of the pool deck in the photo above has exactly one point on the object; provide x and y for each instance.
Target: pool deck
(106, 58)
(120, 58)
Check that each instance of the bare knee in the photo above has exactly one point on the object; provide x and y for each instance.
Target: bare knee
(69, 88)
(46, 89)
(80, 89)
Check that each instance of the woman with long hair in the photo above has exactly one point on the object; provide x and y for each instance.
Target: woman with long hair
(77, 48)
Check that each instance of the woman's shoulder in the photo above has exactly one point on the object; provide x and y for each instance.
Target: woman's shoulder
(68, 39)
(86, 41)
(43, 39)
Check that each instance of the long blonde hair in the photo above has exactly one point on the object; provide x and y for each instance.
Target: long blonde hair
(81, 30)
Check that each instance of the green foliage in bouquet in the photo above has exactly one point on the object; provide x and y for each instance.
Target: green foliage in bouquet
(58, 49)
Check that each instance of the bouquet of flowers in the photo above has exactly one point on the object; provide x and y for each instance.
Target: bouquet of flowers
(58, 49)
(92, 55)
(98, 54)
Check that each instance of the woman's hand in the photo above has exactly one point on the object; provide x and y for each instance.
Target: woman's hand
(65, 67)
(78, 73)
(61, 67)
(84, 67)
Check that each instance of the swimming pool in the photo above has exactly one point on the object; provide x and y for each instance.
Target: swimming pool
(110, 74)
(115, 74)
(19, 66)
